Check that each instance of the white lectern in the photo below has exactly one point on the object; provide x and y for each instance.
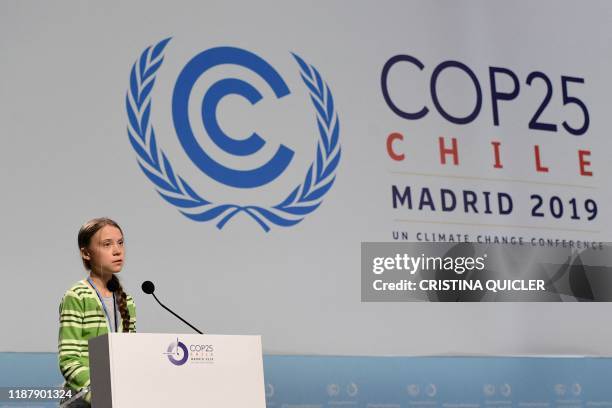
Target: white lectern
(176, 370)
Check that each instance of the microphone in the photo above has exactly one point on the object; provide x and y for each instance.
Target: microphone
(112, 285)
(148, 287)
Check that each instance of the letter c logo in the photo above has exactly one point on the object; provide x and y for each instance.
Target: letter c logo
(230, 86)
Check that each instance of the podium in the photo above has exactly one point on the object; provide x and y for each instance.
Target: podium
(176, 370)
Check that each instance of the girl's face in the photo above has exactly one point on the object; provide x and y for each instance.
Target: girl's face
(105, 251)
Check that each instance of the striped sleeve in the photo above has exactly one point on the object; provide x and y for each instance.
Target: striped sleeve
(132, 309)
(73, 348)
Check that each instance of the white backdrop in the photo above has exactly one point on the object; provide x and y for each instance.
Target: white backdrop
(66, 158)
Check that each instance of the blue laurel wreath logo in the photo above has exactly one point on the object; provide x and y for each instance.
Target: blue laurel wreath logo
(304, 199)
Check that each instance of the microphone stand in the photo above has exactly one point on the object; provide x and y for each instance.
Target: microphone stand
(181, 319)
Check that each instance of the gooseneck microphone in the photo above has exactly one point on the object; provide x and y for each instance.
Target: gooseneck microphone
(148, 287)
(112, 285)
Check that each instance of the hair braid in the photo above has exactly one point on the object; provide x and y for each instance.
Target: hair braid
(122, 303)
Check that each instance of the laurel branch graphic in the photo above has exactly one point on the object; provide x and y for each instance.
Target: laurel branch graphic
(304, 199)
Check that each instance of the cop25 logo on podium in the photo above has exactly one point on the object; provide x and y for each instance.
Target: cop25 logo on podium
(177, 353)
(300, 202)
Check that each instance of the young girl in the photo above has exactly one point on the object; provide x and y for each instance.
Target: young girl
(95, 305)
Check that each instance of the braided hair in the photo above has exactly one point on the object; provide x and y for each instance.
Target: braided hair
(122, 303)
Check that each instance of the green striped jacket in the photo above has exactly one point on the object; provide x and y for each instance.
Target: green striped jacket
(82, 318)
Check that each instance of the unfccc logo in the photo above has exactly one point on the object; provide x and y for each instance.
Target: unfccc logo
(297, 204)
